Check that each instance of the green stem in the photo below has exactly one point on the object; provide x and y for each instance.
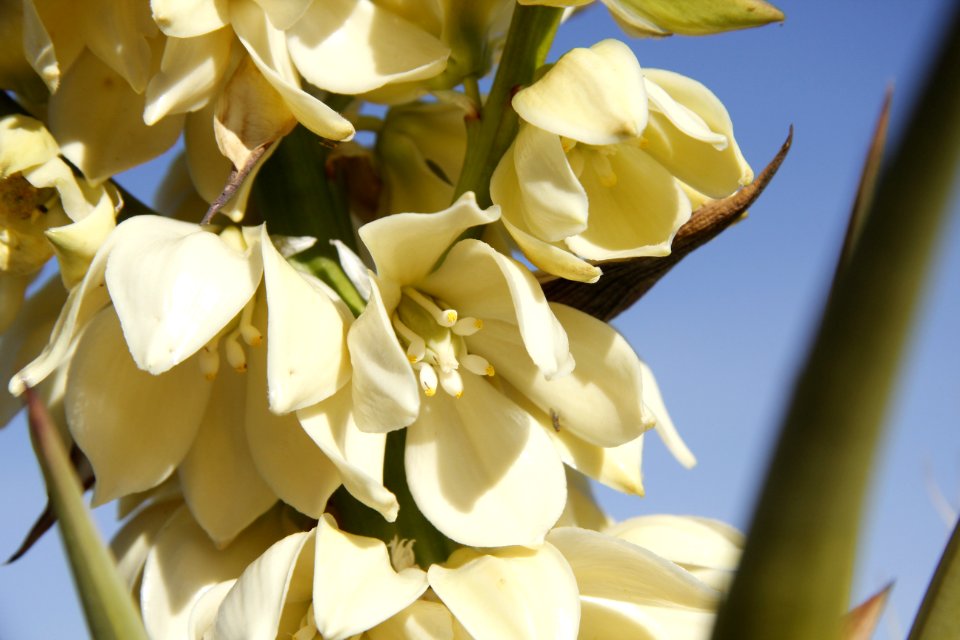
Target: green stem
(528, 41)
(297, 197)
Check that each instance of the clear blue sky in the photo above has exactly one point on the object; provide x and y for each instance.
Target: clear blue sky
(726, 329)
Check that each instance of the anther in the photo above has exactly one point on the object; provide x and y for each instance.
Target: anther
(235, 355)
(428, 379)
(250, 334)
(416, 347)
(209, 361)
(467, 326)
(451, 382)
(443, 317)
(477, 365)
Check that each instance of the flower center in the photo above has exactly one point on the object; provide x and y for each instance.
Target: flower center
(245, 331)
(433, 335)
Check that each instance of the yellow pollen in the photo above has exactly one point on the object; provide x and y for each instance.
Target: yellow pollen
(412, 359)
(478, 323)
(210, 376)
(451, 316)
(429, 392)
(490, 371)
(459, 395)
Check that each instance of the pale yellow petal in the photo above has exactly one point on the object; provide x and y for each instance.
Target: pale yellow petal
(190, 18)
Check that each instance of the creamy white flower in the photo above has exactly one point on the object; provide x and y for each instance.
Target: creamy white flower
(469, 355)
(226, 434)
(605, 152)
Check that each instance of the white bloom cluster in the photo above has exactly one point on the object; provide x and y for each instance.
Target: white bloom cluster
(397, 450)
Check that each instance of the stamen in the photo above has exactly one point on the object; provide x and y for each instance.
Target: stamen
(401, 553)
(567, 143)
(235, 355)
(416, 346)
(452, 383)
(428, 379)
(443, 317)
(477, 365)
(251, 335)
(601, 164)
(308, 627)
(209, 360)
(467, 326)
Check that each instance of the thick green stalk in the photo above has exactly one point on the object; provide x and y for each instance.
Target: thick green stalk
(296, 197)
(528, 41)
(794, 578)
(107, 602)
(939, 615)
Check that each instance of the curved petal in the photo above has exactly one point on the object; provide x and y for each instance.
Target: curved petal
(268, 49)
(386, 395)
(354, 46)
(354, 586)
(137, 537)
(407, 246)
(616, 620)
(196, 284)
(220, 482)
(471, 462)
(653, 403)
(122, 418)
(83, 302)
(554, 203)
(684, 119)
(96, 117)
(613, 569)
(205, 609)
(24, 143)
(422, 620)
(287, 459)
(706, 548)
(51, 39)
(483, 283)
(594, 95)
(190, 18)
(118, 32)
(357, 455)
(618, 228)
(307, 358)
(716, 172)
(582, 508)
(184, 564)
(515, 592)
(77, 243)
(190, 72)
(551, 258)
(252, 609)
(283, 14)
(600, 401)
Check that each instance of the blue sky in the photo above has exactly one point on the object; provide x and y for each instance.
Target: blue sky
(725, 330)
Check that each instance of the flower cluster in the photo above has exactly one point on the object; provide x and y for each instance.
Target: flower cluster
(315, 432)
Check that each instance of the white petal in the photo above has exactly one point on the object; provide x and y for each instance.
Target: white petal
(406, 246)
(268, 49)
(51, 39)
(683, 118)
(307, 358)
(96, 117)
(482, 283)
(385, 391)
(613, 569)
(205, 610)
(117, 32)
(717, 173)
(287, 459)
(27, 333)
(357, 455)
(220, 482)
(82, 303)
(123, 418)
(653, 402)
(582, 508)
(76, 244)
(24, 143)
(284, 13)
(354, 267)
(190, 72)
(593, 95)
(517, 592)
(184, 564)
(554, 203)
(707, 548)
(354, 586)
(195, 285)
(354, 46)
(253, 607)
(422, 620)
(619, 227)
(137, 537)
(481, 469)
(190, 18)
